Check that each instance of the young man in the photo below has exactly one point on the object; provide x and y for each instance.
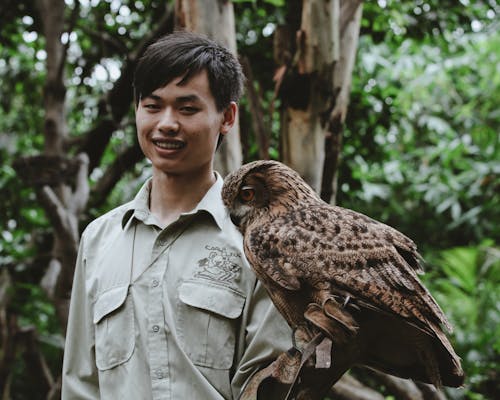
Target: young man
(164, 304)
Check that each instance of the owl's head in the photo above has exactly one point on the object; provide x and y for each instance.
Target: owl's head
(263, 189)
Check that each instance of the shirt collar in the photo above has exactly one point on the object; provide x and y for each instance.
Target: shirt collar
(139, 206)
(210, 203)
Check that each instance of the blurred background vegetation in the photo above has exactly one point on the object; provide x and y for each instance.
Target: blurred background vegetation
(420, 149)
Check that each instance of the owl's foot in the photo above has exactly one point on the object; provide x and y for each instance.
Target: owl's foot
(332, 318)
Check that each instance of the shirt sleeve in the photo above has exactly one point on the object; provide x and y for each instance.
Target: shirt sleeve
(79, 375)
(265, 336)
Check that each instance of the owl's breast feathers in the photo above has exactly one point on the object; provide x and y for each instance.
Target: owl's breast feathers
(304, 253)
(357, 255)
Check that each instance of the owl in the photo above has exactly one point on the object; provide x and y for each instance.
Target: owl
(337, 274)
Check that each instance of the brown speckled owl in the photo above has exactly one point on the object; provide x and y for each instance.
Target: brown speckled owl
(334, 272)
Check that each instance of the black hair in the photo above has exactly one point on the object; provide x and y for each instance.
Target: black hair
(186, 54)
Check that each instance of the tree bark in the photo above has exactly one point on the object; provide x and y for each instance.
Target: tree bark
(315, 89)
(349, 24)
(349, 388)
(55, 129)
(255, 104)
(307, 89)
(215, 19)
(62, 204)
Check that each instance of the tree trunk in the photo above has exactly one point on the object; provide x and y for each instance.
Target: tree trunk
(315, 87)
(61, 203)
(307, 89)
(349, 24)
(214, 18)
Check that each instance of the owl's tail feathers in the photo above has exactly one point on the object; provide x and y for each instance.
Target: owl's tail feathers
(431, 365)
(451, 373)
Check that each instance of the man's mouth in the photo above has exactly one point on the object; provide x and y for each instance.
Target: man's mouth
(169, 144)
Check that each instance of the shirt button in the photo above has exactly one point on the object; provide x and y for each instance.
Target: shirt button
(155, 283)
(159, 374)
(156, 328)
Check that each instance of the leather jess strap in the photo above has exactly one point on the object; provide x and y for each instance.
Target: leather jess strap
(280, 379)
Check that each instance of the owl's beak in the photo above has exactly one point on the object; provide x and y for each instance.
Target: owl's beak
(236, 220)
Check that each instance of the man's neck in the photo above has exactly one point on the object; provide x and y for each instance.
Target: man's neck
(172, 195)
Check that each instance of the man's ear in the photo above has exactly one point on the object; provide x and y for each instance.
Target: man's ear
(229, 117)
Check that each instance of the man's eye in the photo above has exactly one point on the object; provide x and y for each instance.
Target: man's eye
(189, 110)
(151, 106)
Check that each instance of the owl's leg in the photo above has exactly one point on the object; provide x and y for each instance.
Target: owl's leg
(324, 354)
(332, 318)
(302, 335)
(329, 311)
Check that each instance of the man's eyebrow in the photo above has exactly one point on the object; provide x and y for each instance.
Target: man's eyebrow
(187, 98)
(151, 96)
(180, 99)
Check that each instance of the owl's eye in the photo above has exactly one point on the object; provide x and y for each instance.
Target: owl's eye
(247, 193)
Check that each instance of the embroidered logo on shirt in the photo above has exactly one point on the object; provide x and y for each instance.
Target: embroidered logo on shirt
(220, 265)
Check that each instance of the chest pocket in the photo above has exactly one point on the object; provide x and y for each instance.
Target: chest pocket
(114, 328)
(208, 323)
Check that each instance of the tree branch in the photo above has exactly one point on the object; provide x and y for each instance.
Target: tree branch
(54, 208)
(403, 389)
(52, 13)
(105, 37)
(50, 278)
(347, 10)
(164, 26)
(81, 193)
(95, 141)
(349, 388)
(122, 163)
(350, 15)
(430, 392)
(255, 104)
(34, 360)
(8, 328)
(71, 25)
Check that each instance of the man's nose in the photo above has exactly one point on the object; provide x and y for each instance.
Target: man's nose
(168, 122)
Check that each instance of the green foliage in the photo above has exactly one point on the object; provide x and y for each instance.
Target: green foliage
(255, 27)
(466, 283)
(421, 152)
(422, 147)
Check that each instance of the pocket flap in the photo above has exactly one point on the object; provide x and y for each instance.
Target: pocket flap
(109, 301)
(216, 299)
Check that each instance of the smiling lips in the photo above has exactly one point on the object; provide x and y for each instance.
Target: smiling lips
(169, 144)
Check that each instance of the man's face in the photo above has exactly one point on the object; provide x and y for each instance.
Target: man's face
(178, 126)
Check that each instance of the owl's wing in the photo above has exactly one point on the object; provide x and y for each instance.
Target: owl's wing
(355, 255)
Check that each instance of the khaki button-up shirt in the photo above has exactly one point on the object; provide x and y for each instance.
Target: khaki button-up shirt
(172, 313)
